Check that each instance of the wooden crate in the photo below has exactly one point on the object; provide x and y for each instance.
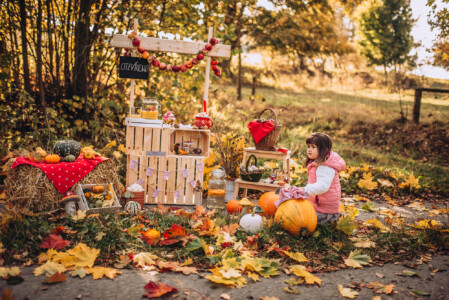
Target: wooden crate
(151, 148)
(199, 138)
(83, 204)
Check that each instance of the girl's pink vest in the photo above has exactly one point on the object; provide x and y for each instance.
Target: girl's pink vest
(329, 202)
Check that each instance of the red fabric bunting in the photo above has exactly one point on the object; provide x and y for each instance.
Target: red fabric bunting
(260, 129)
(64, 175)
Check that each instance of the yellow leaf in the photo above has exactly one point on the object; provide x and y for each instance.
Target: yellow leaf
(380, 288)
(49, 268)
(293, 281)
(411, 182)
(346, 224)
(186, 270)
(363, 243)
(368, 184)
(230, 273)
(347, 293)
(5, 272)
(357, 260)
(80, 215)
(376, 223)
(417, 206)
(298, 256)
(79, 256)
(238, 282)
(291, 290)
(385, 182)
(81, 272)
(253, 276)
(121, 148)
(144, 258)
(187, 262)
(99, 272)
(300, 271)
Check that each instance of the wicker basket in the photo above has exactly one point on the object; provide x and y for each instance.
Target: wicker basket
(253, 176)
(269, 141)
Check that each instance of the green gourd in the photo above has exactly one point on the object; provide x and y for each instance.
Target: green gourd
(64, 148)
(69, 158)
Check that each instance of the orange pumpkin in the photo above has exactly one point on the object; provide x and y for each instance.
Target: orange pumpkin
(52, 158)
(97, 189)
(297, 216)
(266, 202)
(89, 154)
(233, 206)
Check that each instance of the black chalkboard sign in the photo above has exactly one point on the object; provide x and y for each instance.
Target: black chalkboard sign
(133, 67)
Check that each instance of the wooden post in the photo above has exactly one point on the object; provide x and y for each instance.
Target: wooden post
(206, 87)
(417, 105)
(133, 81)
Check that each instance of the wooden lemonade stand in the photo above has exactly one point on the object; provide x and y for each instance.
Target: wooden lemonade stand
(168, 178)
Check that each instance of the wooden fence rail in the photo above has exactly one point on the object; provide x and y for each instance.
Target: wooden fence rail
(418, 96)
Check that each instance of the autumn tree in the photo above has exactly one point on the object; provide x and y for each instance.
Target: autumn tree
(386, 38)
(439, 20)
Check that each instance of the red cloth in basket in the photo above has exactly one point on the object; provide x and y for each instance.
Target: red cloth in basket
(64, 175)
(260, 129)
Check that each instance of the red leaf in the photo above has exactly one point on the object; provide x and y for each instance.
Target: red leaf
(59, 229)
(54, 241)
(168, 242)
(175, 231)
(281, 251)
(157, 289)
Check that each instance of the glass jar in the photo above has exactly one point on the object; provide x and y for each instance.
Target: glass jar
(151, 108)
(217, 189)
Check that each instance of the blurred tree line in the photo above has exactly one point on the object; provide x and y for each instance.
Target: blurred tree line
(58, 74)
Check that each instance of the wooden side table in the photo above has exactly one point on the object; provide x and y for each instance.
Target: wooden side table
(261, 185)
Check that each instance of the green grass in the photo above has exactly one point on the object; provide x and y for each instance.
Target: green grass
(335, 112)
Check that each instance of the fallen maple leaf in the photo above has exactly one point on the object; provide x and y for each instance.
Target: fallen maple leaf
(79, 256)
(380, 288)
(298, 256)
(363, 243)
(168, 265)
(81, 272)
(347, 292)
(175, 231)
(80, 215)
(59, 229)
(5, 272)
(151, 236)
(376, 223)
(49, 268)
(367, 182)
(357, 260)
(300, 271)
(55, 278)
(99, 272)
(157, 289)
(230, 273)
(186, 270)
(291, 290)
(346, 224)
(54, 241)
(123, 262)
(144, 258)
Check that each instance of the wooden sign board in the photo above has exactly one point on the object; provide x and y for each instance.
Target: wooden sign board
(133, 67)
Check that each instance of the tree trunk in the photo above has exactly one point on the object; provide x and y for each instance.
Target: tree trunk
(15, 60)
(40, 79)
(50, 41)
(239, 78)
(67, 80)
(23, 30)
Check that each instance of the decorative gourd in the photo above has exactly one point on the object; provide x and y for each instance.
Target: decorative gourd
(87, 195)
(64, 148)
(70, 158)
(297, 216)
(38, 155)
(251, 223)
(52, 158)
(266, 202)
(233, 207)
(132, 207)
(89, 154)
(97, 189)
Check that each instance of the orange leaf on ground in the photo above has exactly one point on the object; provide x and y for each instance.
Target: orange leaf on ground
(379, 288)
(99, 272)
(151, 236)
(55, 278)
(175, 231)
(54, 241)
(157, 289)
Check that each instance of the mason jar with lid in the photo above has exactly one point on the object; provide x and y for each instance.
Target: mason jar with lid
(217, 189)
(151, 108)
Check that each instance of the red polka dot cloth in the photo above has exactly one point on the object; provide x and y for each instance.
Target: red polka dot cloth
(64, 175)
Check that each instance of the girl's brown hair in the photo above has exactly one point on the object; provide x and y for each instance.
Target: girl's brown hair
(324, 144)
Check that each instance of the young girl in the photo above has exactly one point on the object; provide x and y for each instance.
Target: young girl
(323, 188)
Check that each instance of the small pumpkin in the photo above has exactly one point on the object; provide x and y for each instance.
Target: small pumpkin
(266, 202)
(252, 222)
(98, 189)
(132, 207)
(87, 195)
(108, 197)
(89, 154)
(52, 158)
(64, 148)
(297, 216)
(70, 158)
(233, 206)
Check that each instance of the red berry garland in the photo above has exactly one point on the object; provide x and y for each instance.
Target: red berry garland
(173, 68)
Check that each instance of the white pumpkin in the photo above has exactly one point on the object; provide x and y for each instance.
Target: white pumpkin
(132, 207)
(252, 223)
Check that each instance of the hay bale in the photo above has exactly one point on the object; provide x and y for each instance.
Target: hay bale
(27, 186)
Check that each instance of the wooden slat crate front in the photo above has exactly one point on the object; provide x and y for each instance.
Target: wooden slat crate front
(152, 147)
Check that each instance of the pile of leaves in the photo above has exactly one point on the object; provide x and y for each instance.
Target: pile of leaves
(178, 240)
